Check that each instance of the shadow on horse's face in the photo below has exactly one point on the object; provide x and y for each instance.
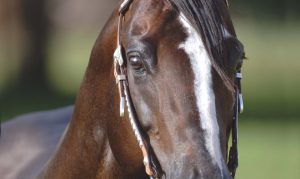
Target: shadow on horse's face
(180, 101)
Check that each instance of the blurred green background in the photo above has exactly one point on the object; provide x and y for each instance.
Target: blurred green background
(45, 47)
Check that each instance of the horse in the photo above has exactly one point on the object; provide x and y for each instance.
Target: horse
(27, 142)
(176, 66)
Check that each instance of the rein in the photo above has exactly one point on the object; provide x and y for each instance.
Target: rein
(152, 166)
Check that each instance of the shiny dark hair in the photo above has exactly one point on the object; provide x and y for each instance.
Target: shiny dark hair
(210, 18)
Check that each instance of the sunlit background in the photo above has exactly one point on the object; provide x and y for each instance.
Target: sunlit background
(45, 48)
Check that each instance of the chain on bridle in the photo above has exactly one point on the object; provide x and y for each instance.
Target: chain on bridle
(152, 166)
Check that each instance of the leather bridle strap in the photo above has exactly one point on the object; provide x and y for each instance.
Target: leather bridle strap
(121, 80)
(233, 160)
(238, 108)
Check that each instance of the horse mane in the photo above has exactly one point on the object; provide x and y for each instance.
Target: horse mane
(211, 20)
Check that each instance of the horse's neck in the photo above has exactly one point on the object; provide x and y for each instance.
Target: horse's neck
(96, 143)
(85, 151)
(96, 135)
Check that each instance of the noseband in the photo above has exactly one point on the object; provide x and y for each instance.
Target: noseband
(152, 166)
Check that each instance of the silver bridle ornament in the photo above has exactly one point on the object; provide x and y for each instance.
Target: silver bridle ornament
(241, 100)
(119, 61)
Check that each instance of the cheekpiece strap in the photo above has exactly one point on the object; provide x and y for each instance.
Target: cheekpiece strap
(125, 97)
(233, 161)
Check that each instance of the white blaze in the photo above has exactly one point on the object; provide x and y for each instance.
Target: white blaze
(203, 84)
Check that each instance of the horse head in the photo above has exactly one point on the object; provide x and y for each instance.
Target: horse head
(175, 63)
(180, 61)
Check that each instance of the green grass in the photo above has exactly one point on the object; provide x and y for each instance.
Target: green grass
(14, 103)
(269, 149)
(271, 84)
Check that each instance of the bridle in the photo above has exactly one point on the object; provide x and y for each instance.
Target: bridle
(152, 166)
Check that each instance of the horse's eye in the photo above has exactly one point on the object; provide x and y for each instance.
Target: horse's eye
(137, 65)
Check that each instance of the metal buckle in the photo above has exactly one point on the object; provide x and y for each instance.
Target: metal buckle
(241, 103)
(118, 56)
(239, 75)
(120, 78)
(122, 107)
